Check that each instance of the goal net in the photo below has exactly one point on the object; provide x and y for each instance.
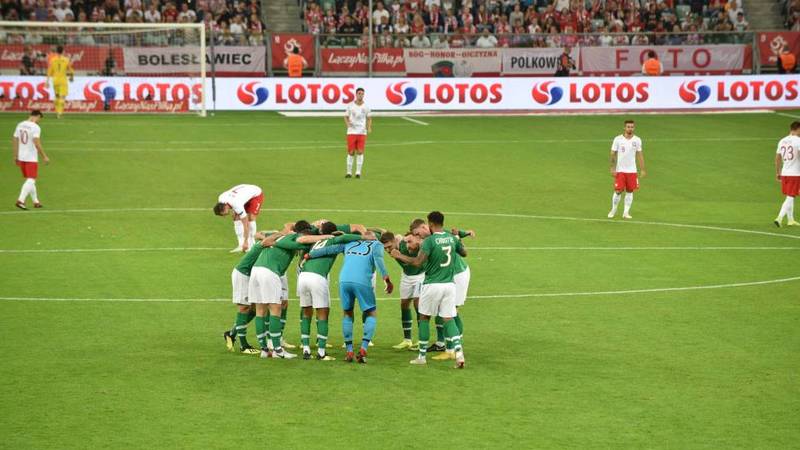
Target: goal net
(131, 67)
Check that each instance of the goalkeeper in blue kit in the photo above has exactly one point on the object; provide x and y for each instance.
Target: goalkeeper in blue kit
(361, 259)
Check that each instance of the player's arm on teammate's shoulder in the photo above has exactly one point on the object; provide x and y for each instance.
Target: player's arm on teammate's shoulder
(313, 238)
(415, 261)
(270, 240)
(778, 165)
(38, 144)
(461, 249)
(328, 250)
(462, 233)
(357, 227)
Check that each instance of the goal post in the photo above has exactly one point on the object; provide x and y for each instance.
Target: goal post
(127, 67)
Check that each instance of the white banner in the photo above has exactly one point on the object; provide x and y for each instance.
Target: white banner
(437, 94)
(240, 61)
(685, 59)
(534, 61)
(453, 62)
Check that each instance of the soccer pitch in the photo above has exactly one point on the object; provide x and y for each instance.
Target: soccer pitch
(676, 329)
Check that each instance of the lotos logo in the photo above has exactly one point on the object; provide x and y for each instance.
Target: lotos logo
(93, 90)
(543, 94)
(399, 96)
(691, 93)
(250, 96)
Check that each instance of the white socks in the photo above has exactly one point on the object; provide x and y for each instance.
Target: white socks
(350, 164)
(628, 201)
(238, 227)
(615, 202)
(28, 188)
(251, 237)
(787, 209)
(359, 163)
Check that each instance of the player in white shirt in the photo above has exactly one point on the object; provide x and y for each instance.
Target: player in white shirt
(359, 123)
(27, 148)
(245, 202)
(625, 151)
(787, 168)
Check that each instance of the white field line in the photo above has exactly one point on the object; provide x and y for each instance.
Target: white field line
(793, 116)
(381, 211)
(418, 122)
(474, 297)
(214, 249)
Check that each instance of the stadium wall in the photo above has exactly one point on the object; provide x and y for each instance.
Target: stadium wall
(417, 94)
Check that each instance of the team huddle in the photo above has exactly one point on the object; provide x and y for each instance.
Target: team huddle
(435, 280)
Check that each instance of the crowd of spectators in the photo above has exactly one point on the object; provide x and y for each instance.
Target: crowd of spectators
(233, 22)
(538, 23)
(791, 14)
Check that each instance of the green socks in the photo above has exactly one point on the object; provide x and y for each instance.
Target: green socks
(405, 318)
(453, 337)
(261, 331)
(439, 330)
(424, 336)
(275, 331)
(322, 336)
(242, 319)
(305, 331)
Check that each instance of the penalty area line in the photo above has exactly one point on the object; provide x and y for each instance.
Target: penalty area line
(473, 297)
(418, 122)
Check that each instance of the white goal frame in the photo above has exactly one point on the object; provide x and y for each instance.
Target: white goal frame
(200, 27)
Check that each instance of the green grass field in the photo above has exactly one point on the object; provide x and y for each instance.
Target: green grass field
(578, 333)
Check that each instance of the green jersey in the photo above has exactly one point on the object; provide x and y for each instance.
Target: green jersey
(249, 259)
(279, 256)
(344, 228)
(408, 269)
(323, 265)
(440, 247)
(458, 260)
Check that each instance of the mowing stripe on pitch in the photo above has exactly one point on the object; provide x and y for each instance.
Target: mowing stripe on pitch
(380, 211)
(473, 297)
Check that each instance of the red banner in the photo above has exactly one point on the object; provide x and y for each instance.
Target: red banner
(84, 106)
(283, 44)
(84, 58)
(771, 43)
(684, 59)
(353, 61)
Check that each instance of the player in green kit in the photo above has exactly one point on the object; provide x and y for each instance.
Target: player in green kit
(240, 278)
(461, 278)
(314, 293)
(265, 285)
(438, 290)
(410, 284)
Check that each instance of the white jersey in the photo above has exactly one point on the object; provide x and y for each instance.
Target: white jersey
(788, 148)
(626, 150)
(358, 115)
(26, 132)
(237, 196)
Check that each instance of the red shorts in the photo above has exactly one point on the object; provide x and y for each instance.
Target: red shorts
(790, 185)
(355, 142)
(29, 169)
(628, 182)
(253, 206)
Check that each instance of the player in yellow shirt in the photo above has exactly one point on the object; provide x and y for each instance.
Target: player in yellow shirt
(59, 69)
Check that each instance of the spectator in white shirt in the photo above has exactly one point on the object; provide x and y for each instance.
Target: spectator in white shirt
(237, 27)
(441, 42)
(61, 11)
(420, 41)
(379, 13)
(187, 13)
(486, 40)
(402, 41)
(152, 15)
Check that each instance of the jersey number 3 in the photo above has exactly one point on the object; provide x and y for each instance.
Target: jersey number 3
(448, 250)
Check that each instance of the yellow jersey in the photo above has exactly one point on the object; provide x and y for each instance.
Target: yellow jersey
(59, 68)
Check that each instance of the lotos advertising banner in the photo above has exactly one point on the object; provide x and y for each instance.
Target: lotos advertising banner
(771, 43)
(534, 61)
(453, 62)
(85, 58)
(685, 59)
(353, 61)
(543, 94)
(228, 61)
(284, 43)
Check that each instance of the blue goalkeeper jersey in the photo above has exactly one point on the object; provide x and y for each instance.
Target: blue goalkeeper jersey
(361, 258)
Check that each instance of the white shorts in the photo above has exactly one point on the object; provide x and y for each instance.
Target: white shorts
(411, 286)
(284, 288)
(462, 286)
(312, 288)
(438, 299)
(239, 282)
(265, 286)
